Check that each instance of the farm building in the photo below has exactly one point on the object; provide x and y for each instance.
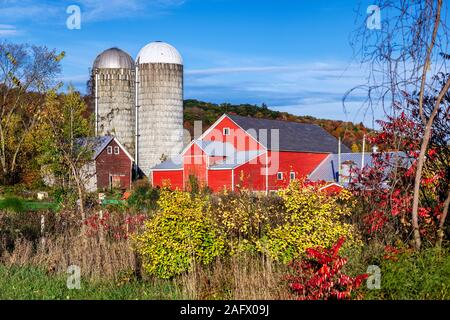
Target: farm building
(111, 165)
(257, 154)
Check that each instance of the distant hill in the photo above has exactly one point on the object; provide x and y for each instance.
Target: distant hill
(208, 113)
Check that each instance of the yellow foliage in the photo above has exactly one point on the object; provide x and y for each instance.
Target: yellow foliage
(313, 219)
(179, 235)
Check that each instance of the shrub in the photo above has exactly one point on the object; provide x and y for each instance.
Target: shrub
(144, 197)
(320, 277)
(312, 218)
(243, 217)
(180, 234)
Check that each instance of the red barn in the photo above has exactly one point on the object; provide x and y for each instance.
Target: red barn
(111, 165)
(244, 152)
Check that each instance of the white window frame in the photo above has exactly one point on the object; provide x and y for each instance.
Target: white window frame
(279, 176)
(109, 150)
(226, 131)
(116, 149)
(292, 175)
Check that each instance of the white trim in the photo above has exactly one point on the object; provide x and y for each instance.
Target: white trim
(107, 149)
(267, 172)
(116, 148)
(331, 184)
(247, 133)
(227, 130)
(282, 175)
(212, 127)
(166, 169)
(232, 179)
(124, 150)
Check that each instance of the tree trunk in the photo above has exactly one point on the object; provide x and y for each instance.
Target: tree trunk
(442, 220)
(421, 162)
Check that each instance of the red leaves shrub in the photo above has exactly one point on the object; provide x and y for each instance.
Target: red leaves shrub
(320, 277)
(116, 225)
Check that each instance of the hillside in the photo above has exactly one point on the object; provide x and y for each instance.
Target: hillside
(206, 112)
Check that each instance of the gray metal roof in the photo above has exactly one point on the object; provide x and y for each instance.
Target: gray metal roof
(236, 159)
(293, 136)
(215, 148)
(174, 163)
(113, 58)
(96, 144)
(328, 168)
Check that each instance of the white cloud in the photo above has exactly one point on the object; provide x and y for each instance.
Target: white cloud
(7, 30)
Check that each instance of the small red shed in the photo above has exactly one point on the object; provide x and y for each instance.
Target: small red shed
(111, 166)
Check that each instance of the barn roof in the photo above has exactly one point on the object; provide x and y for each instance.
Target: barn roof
(97, 144)
(327, 170)
(236, 159)
(215, 148)
(174, 163)
(293, 136)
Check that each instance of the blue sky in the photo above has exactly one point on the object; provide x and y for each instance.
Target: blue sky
(293, 55)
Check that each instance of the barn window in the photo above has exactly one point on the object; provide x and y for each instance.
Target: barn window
(109, 150)
(292, 176)
(280, 175)
(116, 150)
(226, 131)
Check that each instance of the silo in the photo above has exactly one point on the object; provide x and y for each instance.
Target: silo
(114, 89)
(160, 100)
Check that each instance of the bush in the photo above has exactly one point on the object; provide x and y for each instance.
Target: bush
(180, 234)
(312, 219)
(244, 217)
(320, 276)
(144, 196)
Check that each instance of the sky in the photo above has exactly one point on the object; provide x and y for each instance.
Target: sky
(293, 55)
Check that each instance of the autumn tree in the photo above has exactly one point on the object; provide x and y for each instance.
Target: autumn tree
(26, 74)
(406, 54)
(64, 146)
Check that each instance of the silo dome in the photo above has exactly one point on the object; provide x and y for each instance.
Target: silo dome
(113, 58)
(159, 52)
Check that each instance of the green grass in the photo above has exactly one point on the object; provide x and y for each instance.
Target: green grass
(21, 205)
(31, 283)
(418, 276)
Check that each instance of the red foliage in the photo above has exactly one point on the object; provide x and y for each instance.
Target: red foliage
(320, 277)
(117, 226)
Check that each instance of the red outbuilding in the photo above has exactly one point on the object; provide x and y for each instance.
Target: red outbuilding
(244, 152)
(111, 165)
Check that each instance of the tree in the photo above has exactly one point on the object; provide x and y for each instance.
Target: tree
(26, 74)
(403, 56)
(64, 146)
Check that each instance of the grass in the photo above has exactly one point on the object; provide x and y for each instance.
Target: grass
(21, 205)
(423, 276)
(31, 283)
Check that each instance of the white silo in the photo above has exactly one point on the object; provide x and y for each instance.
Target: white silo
(114, 81)
(159, 73)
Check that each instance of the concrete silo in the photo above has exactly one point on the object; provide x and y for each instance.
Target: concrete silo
(159, 74)
(114, 89)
